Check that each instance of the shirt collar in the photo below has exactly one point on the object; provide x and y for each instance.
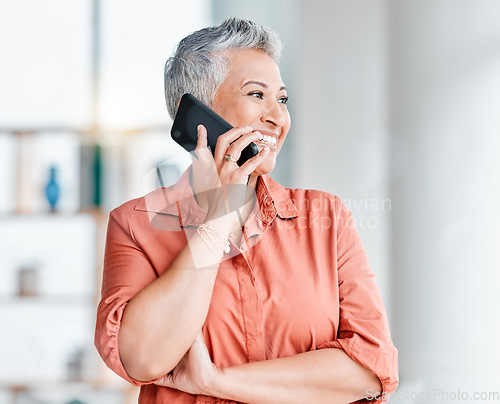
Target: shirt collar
(275, 199)
(178, 200)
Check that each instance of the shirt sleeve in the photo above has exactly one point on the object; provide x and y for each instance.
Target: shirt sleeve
(363, 327)
(127, 270)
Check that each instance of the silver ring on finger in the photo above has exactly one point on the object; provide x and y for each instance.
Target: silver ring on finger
(228, 157)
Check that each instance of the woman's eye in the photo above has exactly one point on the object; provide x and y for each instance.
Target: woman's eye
(256, 94)
(283, 100)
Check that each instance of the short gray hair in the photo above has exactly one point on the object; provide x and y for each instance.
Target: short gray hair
(199, 64)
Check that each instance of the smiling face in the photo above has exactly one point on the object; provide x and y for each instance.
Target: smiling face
(253, 95)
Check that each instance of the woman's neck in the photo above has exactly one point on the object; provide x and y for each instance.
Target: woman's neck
(252, 182)
(250, 197)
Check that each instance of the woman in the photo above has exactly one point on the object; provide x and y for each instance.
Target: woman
(198, 308)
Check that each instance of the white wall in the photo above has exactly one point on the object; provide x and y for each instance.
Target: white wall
(340, 134)
(46, 64)
(445, 103)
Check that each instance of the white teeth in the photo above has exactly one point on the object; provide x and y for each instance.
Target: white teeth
(270, 140)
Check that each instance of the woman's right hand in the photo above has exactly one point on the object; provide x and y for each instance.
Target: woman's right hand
(220, 185)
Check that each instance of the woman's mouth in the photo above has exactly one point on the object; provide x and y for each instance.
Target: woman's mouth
(268, 140)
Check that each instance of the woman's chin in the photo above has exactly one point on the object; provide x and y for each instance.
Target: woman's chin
(266, 166)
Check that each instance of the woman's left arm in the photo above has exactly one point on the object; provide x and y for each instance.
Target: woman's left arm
(322, 376)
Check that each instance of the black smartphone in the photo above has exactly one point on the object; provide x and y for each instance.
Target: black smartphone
(190, 114)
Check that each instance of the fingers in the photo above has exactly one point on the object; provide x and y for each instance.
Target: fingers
(238, 174)
(202, 137)
(201, 144)
(251, 164)
(204, 176)
(165, 381)
(200, 338)
(238, 145)
(211, 174)
(225, 140)
(202, 152)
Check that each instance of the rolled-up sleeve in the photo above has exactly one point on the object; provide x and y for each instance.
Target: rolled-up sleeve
(127, 270)
(363, 331)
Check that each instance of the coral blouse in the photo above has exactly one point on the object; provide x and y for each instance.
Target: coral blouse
(300, 281)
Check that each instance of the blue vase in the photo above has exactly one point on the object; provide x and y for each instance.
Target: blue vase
(52, 189)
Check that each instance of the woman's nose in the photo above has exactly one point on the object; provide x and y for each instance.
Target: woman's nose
(274, 114)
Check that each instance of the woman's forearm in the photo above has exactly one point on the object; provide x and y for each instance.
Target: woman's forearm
(161, 322)
(322, 376)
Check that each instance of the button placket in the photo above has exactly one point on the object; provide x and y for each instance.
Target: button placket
(251, 310)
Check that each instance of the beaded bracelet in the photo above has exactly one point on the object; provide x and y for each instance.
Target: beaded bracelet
(210, 232)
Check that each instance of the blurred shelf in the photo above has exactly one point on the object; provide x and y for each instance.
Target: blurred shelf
(57, 384)
(96, 213)
(68, 391)
(48, 300)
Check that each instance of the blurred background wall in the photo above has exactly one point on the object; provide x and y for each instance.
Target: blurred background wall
(395, 108)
